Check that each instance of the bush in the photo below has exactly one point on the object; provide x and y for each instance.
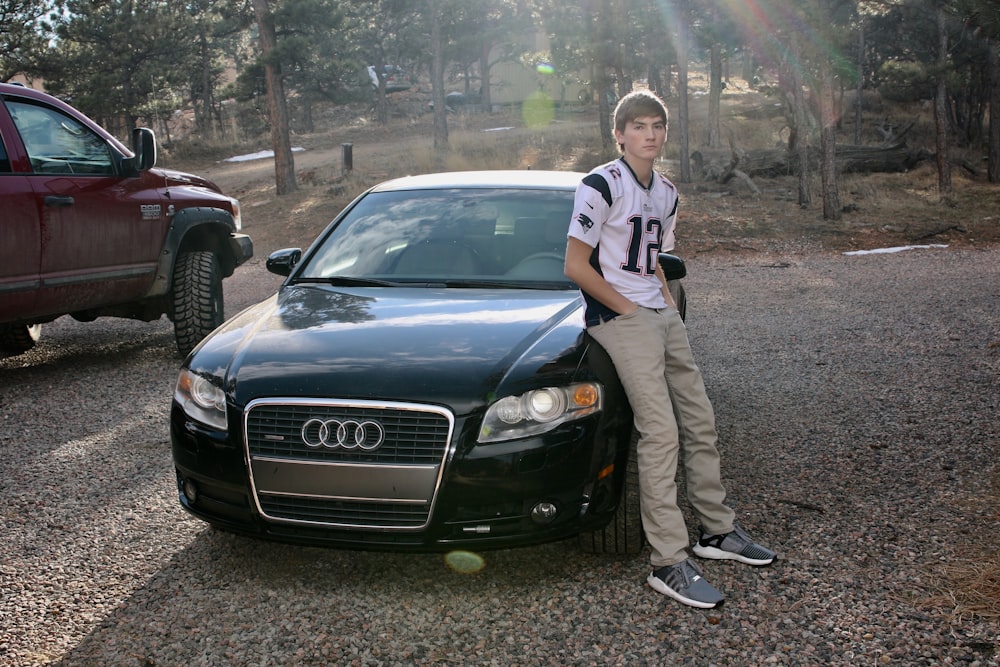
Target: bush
(901, 81)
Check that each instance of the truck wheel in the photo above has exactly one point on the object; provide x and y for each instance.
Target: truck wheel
(197, 298)
(18, 338)
(623, 536)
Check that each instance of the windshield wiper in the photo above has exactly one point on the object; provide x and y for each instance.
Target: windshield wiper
(348, 281)
(508, 284)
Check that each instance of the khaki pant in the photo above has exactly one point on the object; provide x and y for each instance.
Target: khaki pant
(653, 359)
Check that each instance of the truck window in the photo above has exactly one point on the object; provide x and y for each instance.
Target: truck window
(59, 144)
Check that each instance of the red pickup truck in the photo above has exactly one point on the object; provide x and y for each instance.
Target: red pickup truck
(90, 228)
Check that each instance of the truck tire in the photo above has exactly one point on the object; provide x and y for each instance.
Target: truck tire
(197, 298)
(623, 536)
(18, 338)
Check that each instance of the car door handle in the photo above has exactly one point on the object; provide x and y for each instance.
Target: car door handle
(55, 200)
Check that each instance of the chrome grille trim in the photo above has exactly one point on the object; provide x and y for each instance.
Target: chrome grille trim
(391, 488)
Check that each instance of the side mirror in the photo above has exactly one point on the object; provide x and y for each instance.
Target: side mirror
(673, 266)
(144, 147)
(281, 262)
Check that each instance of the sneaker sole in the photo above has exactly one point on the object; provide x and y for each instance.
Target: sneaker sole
(718, 554)
(660, 587)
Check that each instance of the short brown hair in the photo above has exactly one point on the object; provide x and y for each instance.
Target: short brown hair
(637, 104)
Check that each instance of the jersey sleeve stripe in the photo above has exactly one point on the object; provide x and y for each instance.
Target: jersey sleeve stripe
(597, 182)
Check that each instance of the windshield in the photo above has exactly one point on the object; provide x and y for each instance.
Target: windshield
(459, 237)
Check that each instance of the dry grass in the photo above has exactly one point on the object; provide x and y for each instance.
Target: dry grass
(971, 588)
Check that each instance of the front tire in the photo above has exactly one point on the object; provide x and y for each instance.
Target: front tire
(623, 536)
(17, 339)
(197, 298)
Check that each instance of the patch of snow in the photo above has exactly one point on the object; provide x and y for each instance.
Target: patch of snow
(260, 155)
(883, 251)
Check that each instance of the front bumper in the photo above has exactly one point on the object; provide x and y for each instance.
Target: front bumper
(515, 493)
(241, 246)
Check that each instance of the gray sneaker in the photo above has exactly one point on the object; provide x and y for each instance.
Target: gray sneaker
(735, 545)
(684, 583)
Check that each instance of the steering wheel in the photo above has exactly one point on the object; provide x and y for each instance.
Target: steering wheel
(542, 258)
(542, 255)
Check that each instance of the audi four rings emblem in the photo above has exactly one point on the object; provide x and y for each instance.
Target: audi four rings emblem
(346, 434)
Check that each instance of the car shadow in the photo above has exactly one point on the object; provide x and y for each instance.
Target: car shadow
(310, 605)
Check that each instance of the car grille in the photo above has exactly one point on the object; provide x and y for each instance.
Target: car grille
(391, 485)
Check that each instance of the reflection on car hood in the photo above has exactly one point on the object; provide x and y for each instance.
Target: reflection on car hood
(447, 346)
(171, 177)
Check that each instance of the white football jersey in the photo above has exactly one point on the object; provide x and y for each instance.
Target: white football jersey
(627, 225)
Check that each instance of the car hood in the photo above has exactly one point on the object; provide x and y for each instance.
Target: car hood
(456, 347)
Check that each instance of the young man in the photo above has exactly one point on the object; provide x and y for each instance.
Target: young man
(623, 217)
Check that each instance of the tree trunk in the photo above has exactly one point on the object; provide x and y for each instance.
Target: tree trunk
(437, 81)
(941, 108)
(994, 131)
(204, 96)
(799, 139)
(683, 119)
(484, 78)
(715, 97)
(828, 138)
(284, 163)
(828, 169)
(860, 86)
(604, 107)
(381, 98)
(747, 67)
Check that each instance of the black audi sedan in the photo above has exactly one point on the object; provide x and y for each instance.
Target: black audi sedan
(421, 380)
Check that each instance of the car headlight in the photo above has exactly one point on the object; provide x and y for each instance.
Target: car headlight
(538, 411)
(201, 399)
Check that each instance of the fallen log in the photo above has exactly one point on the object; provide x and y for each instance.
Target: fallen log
(718, 164)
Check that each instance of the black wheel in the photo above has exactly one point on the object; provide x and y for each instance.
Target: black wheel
(623, 536)
(680, 296)
(197, 298)
(18, 338)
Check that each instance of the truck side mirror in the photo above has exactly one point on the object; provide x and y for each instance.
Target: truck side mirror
(144, 147)
(673, 266)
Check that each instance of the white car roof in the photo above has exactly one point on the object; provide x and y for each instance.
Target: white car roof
(513, 178)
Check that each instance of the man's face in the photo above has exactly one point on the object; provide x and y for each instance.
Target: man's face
(643, 137)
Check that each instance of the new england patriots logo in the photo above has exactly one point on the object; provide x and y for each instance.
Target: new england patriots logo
(585, 222)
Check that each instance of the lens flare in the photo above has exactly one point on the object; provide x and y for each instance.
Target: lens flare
(464, 562)
(539, 110)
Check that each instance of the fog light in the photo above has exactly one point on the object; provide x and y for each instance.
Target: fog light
(190, 490)
(544, 512)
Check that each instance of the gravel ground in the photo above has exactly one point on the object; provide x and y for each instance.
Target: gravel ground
(857, 400)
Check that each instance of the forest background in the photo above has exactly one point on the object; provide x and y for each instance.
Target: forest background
(243, 69)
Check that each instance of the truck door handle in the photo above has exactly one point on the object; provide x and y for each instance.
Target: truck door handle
(57, 201)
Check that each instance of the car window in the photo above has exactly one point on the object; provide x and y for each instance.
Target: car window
(59, 144)
(4, 160)
(487, 234)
